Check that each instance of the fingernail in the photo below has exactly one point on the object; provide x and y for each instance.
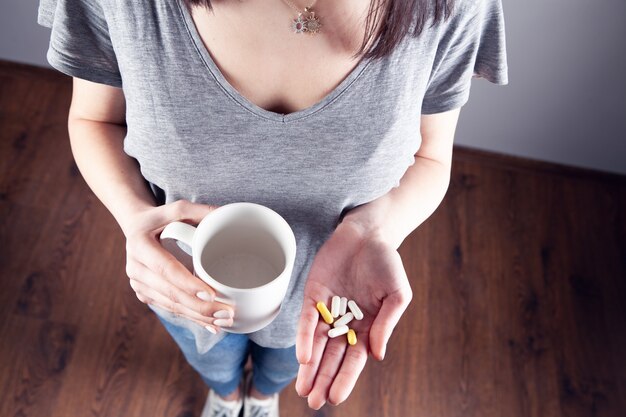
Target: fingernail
(223, 314)
(203, 295)
(223, 322)
(211, 329)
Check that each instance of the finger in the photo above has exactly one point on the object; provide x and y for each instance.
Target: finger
(329, 366)
(212, 315)
(210, 327)
(149, 296)
(144, 275)
(386, 320)
(309, 319)
(150, 253)
(307, 372)
(181, 210)
(352, 366)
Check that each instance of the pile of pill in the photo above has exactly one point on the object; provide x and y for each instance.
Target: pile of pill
(339, 310)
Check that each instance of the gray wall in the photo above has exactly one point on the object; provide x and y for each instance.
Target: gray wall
(566, 98)
(21, 38)
(565, 103)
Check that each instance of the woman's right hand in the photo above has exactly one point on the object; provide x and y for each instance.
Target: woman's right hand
(158, 278)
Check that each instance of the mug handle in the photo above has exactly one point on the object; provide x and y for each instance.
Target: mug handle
(182, 233)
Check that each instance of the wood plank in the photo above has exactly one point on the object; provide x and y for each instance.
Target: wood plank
(519, 283)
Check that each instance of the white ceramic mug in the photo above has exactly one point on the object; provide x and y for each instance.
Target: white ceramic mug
(245, 252)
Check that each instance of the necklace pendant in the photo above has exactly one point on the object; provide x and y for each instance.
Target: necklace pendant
(312, 23)
(299, 24)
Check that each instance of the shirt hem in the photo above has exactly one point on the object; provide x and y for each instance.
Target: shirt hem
(450, 102)
(59, 61)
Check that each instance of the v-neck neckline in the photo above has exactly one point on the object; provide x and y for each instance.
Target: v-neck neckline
(227, 87)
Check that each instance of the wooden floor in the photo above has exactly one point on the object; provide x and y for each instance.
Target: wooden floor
(519, 283)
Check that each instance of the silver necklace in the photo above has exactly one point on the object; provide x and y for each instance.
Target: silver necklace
(306, 21)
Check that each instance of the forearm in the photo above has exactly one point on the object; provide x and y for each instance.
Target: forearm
(113, 176)
(393, 216)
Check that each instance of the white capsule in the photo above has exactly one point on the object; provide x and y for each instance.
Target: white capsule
(334, 306)
(358, 314)
(343, 306)
(338, 331)
(345, 319)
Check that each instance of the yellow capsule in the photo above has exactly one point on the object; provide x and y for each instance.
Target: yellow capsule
(351, 337)
(321, 307)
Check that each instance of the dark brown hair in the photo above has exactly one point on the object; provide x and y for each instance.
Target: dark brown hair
(395, 18)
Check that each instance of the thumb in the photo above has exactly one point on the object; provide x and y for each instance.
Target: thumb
(185, 210)
(386, 320)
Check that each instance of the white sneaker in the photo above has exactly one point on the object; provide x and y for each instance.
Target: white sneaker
(216, 406)
(253, 407)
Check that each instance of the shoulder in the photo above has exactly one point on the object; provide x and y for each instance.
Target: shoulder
(49, 9)
(469, 15)
(464, 9)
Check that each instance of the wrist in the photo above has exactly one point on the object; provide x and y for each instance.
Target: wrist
(126, 217)
(363, 225)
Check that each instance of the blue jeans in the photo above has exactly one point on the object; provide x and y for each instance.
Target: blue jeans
(221, 368)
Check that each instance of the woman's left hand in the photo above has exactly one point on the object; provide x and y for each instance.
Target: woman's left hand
(368, 271)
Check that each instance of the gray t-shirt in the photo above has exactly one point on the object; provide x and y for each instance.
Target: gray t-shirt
(195, 137)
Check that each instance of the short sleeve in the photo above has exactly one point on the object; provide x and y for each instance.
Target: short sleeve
(472, 45)
(80, 45)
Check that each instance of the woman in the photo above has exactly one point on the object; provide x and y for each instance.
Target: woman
(340, 117)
